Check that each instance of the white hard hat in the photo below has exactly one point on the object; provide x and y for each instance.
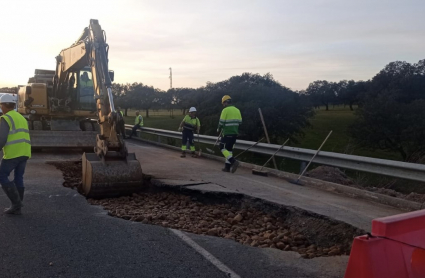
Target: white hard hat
(192, 109)
(7, 98)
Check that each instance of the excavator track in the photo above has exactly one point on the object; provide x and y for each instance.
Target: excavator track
(111, 178)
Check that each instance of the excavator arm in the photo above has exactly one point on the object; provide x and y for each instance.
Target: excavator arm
(109, 171)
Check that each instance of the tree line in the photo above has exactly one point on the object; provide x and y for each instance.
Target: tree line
(287, 112)
(389, 108)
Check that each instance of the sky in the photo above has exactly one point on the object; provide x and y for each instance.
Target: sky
(297, 41)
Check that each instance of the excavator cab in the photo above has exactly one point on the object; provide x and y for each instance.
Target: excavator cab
(85, 90)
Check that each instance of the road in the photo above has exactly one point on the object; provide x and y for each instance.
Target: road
(169, 168)
(61, 235)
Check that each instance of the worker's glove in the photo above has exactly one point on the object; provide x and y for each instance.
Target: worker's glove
(179, 129)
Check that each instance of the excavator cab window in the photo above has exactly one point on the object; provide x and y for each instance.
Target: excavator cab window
(86, 90)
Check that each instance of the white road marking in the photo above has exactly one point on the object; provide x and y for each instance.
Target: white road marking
(230, 273)
(57, 195)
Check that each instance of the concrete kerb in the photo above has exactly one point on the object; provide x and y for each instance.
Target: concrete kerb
(315, 183)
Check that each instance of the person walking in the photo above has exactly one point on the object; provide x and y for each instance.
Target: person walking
(188, 126)
(228, 126)
(16, 145)
(138, 124)
(121, 123)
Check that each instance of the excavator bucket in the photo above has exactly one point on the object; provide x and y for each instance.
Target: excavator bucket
(111, 178)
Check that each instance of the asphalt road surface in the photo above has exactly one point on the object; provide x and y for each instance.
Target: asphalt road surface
(61, 235)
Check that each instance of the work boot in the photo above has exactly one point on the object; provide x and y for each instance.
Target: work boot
(13, 195)
(226, 168)
(183, 154)
(234, 166)
(21, 191)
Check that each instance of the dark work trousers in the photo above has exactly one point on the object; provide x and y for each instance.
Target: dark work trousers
(188, 135)
(8, 165)
(134, 129)
(226, 147)
(121, 128)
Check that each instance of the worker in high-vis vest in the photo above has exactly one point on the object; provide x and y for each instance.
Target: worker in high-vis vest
(120, 122)
(188, 126)
(16, 145)
(138, 124)
(228, 126)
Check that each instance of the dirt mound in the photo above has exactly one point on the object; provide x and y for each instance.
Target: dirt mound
(335, 175)
(415, 197)
(420, 198)
(330, 174)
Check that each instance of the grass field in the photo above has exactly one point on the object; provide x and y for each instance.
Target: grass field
(157, 119)
(338, 120)
(161, 122)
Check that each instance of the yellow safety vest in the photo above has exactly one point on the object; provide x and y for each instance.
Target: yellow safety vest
(18, 141)
(137, 119)
(230, 120)
(190, 123)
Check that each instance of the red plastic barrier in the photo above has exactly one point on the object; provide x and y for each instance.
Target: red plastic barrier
(395, 250)
(408, 228)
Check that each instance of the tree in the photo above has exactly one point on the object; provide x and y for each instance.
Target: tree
(183, 98)
(142, 96)
(350, 92)
(285, 112)
(121, 97)
(322, 92)
(393, 116)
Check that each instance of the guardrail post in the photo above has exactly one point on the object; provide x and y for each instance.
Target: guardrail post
(303, 164)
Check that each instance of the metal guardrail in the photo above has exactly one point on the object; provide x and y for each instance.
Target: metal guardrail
(397, 169)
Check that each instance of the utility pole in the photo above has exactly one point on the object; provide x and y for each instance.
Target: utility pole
(171, 79)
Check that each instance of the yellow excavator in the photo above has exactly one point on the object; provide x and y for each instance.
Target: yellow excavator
(61, 104)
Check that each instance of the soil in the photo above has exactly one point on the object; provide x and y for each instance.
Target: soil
(415, 197)
(335, 175)
(330, 174)
(244, 219)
